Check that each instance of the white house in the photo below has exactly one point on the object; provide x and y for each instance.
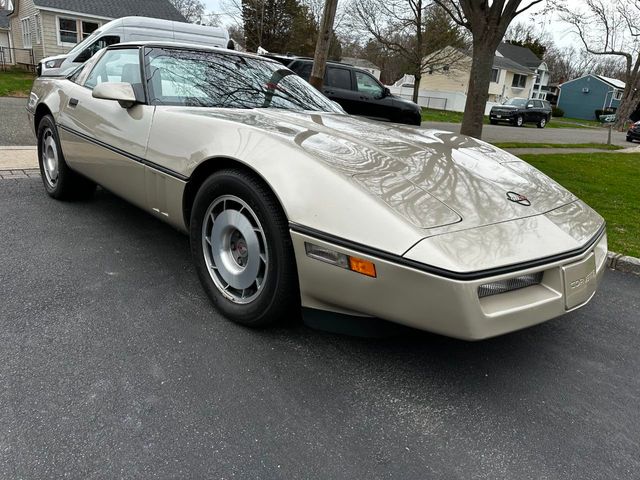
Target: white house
(525, 57)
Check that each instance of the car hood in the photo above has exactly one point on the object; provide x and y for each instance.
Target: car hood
(432, 178)
(505, 107)
(405, 103)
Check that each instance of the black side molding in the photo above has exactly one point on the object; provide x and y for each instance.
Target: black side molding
(441, 272)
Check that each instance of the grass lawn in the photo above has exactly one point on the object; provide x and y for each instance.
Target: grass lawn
(432, 115)
(15, 83)
(608, 183)
(600, 146)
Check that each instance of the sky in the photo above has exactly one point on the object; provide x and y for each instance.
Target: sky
(550, 23)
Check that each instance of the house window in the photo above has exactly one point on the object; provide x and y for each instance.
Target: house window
(88, 28)
(495, 74)
(67, 31)
(617, 95)
(26, 32)
(38, 29)
(519, 81)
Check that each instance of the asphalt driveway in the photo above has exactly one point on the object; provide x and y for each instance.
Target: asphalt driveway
(113, 365)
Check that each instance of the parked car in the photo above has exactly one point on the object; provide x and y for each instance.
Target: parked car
(357, 91)
(518, 111)
(289, 202)
(634, 132)
(128, 29)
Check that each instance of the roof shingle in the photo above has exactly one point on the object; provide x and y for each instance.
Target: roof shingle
(115, 9)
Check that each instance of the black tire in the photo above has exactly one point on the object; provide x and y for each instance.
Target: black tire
(60, 182)
(519, 121)
(278, 298)
(629, 139)
(542, 123)
(493, 122)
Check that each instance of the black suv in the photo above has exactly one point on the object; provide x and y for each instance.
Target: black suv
(634, 132)
(519, 111)
(357, 91)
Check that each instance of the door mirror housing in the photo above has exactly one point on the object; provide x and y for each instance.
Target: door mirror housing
(386, 92)
(529, 105)
(122, 93)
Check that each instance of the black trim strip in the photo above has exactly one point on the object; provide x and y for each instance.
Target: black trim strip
(130, 156)
(442, 272)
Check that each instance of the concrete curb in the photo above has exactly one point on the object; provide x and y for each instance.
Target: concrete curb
(623, 263)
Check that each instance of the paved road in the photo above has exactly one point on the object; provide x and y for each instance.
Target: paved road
(112, 364)
(14, 127)
(14, 130)
(530, 133)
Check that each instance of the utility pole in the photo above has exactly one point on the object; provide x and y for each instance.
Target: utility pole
(322, 47)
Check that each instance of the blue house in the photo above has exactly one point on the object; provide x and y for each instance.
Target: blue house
(580, 98)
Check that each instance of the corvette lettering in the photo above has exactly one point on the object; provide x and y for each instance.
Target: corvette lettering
(581, 282)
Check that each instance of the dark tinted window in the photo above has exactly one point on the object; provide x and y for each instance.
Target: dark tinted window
(227, 80)
(302, 69)
(338, 78)
(537, 103)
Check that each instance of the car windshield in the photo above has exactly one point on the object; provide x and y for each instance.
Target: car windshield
(516, 102)
(225, 80)
(87, 41)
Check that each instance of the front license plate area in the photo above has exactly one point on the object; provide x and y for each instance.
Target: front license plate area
(498, 116)
(579, 281)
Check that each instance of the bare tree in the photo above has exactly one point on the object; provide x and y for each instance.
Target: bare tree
(416, 31)
(487, 20)
(192, 10)
(612, 28)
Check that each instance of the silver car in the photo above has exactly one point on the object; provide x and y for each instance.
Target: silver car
(291, 203)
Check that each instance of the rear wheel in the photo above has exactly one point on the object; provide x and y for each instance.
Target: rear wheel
(542, 123)
(59, 180)
(519, 121)
(242, 249)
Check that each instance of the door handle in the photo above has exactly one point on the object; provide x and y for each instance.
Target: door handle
(364, 98)
(73, 102)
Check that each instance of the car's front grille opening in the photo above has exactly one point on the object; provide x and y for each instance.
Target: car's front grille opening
(510, 284)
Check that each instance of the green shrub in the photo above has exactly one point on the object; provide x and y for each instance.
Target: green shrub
(557, 112)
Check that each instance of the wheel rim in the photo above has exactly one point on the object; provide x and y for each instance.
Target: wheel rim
(519, 121)
(49, 157)
(543, 122)
(235, 249)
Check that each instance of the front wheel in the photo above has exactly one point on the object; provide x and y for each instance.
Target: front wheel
(519, 121)
(59, 180)
(493, 122)
(242, 249)
(629, 139)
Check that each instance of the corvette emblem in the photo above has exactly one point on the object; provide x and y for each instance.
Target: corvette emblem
(517, 198)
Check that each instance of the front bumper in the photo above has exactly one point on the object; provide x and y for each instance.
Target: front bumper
(502, 116)
(448, 306)
(633, 134)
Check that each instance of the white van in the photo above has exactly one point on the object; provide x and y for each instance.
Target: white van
(131, 29)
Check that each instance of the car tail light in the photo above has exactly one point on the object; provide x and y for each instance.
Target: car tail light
(509, 284)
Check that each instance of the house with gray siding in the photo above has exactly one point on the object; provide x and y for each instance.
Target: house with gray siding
(53, 27)
(581, 97)
(5, 38)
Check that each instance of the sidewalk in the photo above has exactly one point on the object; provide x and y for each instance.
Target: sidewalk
(18, 158)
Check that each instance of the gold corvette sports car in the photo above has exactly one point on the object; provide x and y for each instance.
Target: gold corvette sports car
(291, 203)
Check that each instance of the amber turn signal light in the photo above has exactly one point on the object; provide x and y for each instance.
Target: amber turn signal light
(365, 267)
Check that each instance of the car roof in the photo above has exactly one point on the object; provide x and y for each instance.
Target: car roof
(186, 46)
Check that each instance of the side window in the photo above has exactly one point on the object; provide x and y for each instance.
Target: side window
(121, 65)
(96, 46)
(537, 103)
(302, 69)
(82, 72)
(338, 78)
(367, 84)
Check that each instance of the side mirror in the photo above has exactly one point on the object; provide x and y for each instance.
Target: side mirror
(386, 92)
(121, 92)
(529, 105)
